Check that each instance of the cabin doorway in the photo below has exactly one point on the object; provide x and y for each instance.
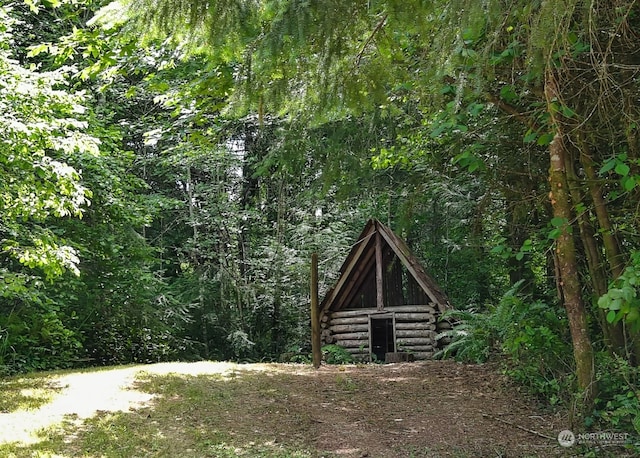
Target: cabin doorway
(382, 337)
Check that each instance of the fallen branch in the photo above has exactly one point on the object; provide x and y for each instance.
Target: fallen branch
(531, 431)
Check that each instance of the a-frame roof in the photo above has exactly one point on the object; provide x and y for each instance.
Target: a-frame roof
(361, 262)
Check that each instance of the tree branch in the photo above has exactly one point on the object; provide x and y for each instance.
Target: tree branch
(513, 111)
(373, 33)
(517, 426)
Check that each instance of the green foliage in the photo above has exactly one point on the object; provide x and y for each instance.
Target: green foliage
(34, 338)
(335, 354)
(621, 300)
(506, 252)
(112, 310)
(216, 167)
(42, 129)
(620, 165)
(617, 406)
(472, 339)
(346, 383)
(529, 338)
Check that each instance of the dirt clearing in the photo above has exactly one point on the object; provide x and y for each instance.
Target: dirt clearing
(434, 408)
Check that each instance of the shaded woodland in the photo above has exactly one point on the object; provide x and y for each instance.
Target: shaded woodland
(168, 168)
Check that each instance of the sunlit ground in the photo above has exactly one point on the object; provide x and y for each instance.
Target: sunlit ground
(82, 395)
(227, 410)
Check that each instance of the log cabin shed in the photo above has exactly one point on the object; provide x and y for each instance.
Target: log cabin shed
(384, 305)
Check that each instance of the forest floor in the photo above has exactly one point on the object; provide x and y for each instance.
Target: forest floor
(422, 409)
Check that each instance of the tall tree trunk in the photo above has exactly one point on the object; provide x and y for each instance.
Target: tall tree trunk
(597, 274)
(591, 249)
(567, 265)
(277, 328)
(613, 255)
(611, 245)
(197, 267)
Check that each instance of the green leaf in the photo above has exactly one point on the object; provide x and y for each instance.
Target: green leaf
(614, 293)
(469, 35)
(567, 112)
(615, 304)
(628, 183)
(448, 89)
(545, 139)
(608, 165)
(554, 234)
(37, 49)
(581, 47)
(530, 137)
(628, 293)
(468, 52)
(603, 301)
(498, 249)
(622, 169)
(508, 93)
(633, 315)
(611, 316)
(475, 109)
(558, 221)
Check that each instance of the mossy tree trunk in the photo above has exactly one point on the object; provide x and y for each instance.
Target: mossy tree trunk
(568, 279)
(614, 333)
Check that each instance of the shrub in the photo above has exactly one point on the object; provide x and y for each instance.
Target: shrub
(617, 405)
(471, 340)
(335, 354)
(35, 338)
(529, 337)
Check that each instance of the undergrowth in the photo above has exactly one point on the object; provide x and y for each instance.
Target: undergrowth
(335, 354)
(617, 406)
(529, 338)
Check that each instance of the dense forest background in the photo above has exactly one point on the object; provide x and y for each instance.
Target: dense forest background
(168, 168)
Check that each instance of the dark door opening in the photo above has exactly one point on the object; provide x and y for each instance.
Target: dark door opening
(382, 338)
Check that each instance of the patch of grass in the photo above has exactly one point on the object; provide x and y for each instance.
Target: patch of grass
(32, 391)
(287, 412)
(193, 416)
(25, 393)
(346, 383)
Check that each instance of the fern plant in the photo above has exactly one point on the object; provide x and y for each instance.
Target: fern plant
(529, 337)
(471, 340)
(335, 354)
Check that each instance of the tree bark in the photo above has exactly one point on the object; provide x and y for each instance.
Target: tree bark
(614, 333)
(568, 279)
(316, 344)
(612, 251)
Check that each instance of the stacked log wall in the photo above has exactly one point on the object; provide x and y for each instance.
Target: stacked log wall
(416, 327)
(416, 330)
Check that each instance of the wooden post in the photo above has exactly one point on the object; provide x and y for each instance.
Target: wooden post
(379, 293)
(315, 319)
